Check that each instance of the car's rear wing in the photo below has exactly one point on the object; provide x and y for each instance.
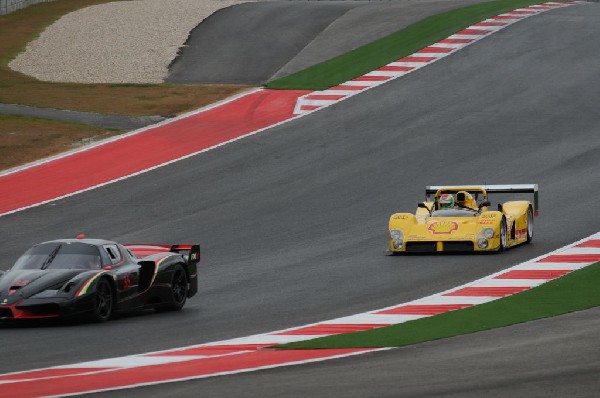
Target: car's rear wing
(513, 188)
(191, 252)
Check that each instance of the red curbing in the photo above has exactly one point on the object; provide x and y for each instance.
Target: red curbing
(154, 146)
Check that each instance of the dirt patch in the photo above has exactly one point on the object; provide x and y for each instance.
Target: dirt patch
(24, 140)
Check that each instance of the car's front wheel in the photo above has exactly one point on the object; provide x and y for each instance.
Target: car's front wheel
(103, 301)
(503, 238)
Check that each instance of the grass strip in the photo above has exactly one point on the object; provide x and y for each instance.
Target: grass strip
(393, 47)
(576, 291)
(25, 139)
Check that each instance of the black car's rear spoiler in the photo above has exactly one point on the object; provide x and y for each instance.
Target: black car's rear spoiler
(512, 188)
(191, 252)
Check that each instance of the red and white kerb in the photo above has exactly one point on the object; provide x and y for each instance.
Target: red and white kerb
(247, 354)
(426, 56)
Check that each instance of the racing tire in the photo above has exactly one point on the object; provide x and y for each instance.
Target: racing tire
(503, 235)
(529, 225)
(179, 291)
(104, 301)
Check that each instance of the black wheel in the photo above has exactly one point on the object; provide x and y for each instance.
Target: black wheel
(179, 290)
(529, 225)
(503, 238)
(103, 301)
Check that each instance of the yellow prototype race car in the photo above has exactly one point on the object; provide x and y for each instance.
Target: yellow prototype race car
(458, 219)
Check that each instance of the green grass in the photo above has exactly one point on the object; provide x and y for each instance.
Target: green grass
(395, 46)
(576, 291)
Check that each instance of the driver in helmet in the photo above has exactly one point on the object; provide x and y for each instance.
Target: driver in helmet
(446, 201)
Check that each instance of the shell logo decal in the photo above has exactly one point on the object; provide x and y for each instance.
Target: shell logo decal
(442, 227)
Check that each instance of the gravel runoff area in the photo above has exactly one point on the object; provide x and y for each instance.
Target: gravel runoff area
(117, 42)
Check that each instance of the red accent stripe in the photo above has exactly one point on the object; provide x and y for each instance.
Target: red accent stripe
(152, 147)
(370, 78)
(433, 49)
(491, 24)
(349, 88)
(456, 41)
(416, 59)
(327, 97)
(396, 68)
(488, 291)
(327, 328)
(516, 12)
(211, 350)
(505, 17)
(161, 373)
(424, 309)
(477, 32)
(571, 258)
(590, 243)
(534, 274)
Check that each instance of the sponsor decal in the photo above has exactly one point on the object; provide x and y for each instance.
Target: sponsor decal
(193, 256)
(486, 222)
(127, 282)
(400, 217)
(21, 283)
(521, 234)
(488, 215)
(443, 227)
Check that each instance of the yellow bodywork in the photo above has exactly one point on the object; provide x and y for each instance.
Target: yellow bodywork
(479, 230)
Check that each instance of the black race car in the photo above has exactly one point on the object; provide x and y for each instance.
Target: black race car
(98, 278)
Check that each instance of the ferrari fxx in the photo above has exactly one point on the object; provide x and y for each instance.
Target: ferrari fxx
(97, 278)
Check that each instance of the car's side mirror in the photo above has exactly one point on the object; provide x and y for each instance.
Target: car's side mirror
(484, 204)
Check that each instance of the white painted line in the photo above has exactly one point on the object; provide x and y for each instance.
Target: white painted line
(552, 266)
(490, 282)
(583, 250)
(370, 318)
(385, 73)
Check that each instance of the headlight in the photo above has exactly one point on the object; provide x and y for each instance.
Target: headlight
(483, 243)
(488, 233)
(397, 238)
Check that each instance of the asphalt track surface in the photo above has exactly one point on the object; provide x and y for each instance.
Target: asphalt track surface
(253, 43)
(293, 223)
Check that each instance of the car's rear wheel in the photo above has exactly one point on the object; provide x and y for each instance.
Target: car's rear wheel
(179, 291)
(503, 238)
(103, 301)
(529, 225)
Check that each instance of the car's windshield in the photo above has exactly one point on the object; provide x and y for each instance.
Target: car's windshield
(454, 213)
(60, 255)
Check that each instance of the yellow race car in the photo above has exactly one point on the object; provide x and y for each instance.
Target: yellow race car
(458, 219)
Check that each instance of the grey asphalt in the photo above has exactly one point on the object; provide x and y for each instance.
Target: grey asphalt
(253, 43)
(95, 119)
(293, 222)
